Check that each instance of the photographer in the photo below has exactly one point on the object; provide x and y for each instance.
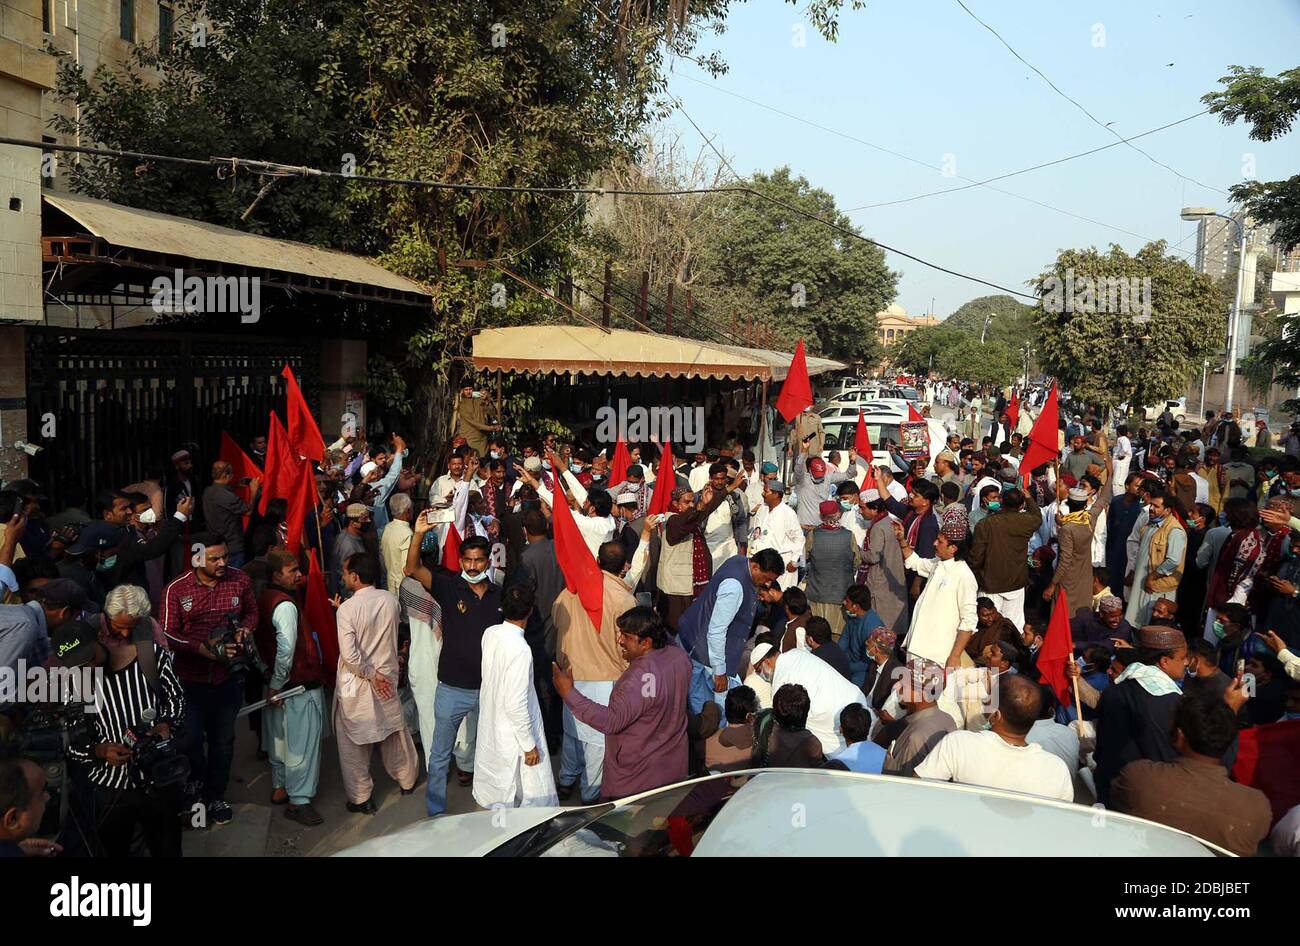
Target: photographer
(198, 607)
(137, 703)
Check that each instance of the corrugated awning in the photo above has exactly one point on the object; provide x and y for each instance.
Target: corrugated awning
(181, 237)
(779, 361)
(575, 349)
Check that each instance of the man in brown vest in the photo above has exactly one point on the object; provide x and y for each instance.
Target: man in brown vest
(291, 729)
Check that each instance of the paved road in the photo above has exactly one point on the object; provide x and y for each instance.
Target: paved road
(260, 829)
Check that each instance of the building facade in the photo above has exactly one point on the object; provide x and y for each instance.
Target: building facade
(894, 324)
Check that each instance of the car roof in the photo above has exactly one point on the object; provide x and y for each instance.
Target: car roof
(805, 812)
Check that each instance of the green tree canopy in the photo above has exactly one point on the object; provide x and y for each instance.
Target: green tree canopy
(1094, 335)
(1012, 322)
(793, 274)
(1270, 105)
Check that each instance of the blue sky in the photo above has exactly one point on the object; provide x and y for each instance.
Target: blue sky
(925, 80)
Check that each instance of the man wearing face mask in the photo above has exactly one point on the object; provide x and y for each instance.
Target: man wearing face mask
(224, 511)
(351, 541)
(121, 556)
(1158, 564)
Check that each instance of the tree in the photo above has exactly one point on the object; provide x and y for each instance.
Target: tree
(794, 274)
(1012, 322)
(1270, 104)
(954, 352)
(1117, 328)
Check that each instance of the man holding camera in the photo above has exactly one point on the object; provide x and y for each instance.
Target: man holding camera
(133, 769)
(209, 614)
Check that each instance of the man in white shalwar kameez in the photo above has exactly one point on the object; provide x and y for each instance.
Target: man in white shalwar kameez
(511, 767)
(366, 708)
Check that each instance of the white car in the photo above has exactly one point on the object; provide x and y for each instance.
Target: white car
(1178, 408)
(881, 425)
(796, 813)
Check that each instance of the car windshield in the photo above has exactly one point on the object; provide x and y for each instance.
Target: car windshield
(665, 824)
(840, 436)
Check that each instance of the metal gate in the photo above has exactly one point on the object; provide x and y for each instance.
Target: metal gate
(120, 403)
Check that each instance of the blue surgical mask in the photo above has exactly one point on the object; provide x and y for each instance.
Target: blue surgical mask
(106, 564)
(575, 467)
(994, 505)
(546, 464)
(846, 505)
(474, 579)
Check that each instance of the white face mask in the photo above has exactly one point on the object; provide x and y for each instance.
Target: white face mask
(148, 517)
(474, 579)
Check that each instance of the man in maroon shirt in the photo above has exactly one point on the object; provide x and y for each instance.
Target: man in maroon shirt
(197, 607)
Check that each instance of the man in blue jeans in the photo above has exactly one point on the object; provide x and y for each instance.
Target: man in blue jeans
(470, 605)
(196, 608)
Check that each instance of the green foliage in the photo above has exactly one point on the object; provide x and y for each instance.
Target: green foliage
(954, 352)
(1276, 360)
(794, 275)
(1270, 105)
(1101, 354)
(1012, 322)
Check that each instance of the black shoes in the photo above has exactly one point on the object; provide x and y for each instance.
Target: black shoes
(306, 815)
(367, 807)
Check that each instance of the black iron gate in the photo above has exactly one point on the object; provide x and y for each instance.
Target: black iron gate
(119, 403)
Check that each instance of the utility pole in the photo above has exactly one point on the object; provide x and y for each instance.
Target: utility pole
(987, 319)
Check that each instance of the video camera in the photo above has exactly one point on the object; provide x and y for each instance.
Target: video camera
(48, 733)
(245, 658)
(157, 760)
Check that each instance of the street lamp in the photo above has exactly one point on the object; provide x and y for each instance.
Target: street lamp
(1027, 352)
(987, 319)
(1198, 214)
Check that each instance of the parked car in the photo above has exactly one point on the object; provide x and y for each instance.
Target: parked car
(827, 388)
(1178, 408)
(881, 425)
(840, 814)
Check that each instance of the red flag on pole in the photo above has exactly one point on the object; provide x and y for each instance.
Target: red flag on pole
(869, 481)
(581, 573)
(1058, 647)
(287, 477)
(1043, 438)
(619, 464)
(451, 549)
(304, 435)
(243, 467)
(662, 499)
(796, 391)
(278, 461)
(320, 618)
(1013, 409)
(862, 442)
(913, 415)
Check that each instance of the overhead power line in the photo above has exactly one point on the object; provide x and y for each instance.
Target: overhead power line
(276, 169)
(1095, 120)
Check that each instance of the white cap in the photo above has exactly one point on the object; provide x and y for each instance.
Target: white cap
(871, 495)
(532, 464)
(626, 499)
(759, 653)
(368, 466)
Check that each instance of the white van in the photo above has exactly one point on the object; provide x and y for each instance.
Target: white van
(881, 425)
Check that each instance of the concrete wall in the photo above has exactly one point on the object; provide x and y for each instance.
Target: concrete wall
(342, 362)
(25, 73)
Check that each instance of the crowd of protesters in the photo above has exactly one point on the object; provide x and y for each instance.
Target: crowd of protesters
(503, 611)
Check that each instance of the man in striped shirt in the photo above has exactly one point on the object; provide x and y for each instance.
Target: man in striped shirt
(123, 799)
(196, 608)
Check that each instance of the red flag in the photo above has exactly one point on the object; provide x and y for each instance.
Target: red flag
(304, 435)
(862, 442)
(913, 415)
(618, 466)
(796, 391)
(662, 499)
(1013, 409)
(279, 461)
(1268, 758)
(243, 467)
(1058, 647)
(320, 618)
(287, 477)
(869, 481)
(581, 573)
(1043, 438)
(451, 549)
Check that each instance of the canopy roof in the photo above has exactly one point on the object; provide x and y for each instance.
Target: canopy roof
(156, 240)
(565, 349)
